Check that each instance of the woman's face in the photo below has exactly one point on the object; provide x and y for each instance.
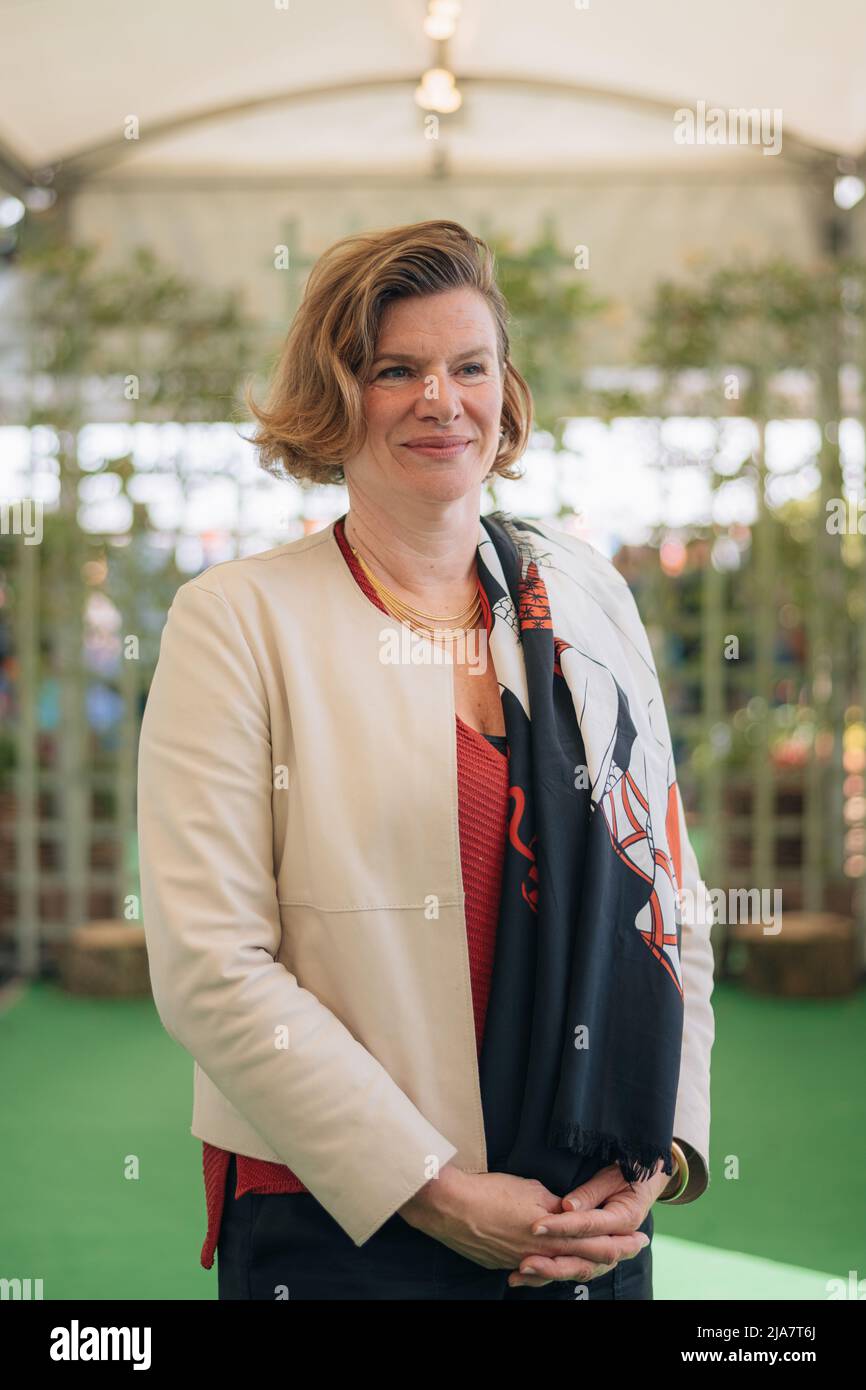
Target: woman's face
(433, 399)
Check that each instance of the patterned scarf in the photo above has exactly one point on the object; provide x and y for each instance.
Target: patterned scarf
(581, 1053)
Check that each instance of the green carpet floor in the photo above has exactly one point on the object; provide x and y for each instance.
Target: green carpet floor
(92, 1088)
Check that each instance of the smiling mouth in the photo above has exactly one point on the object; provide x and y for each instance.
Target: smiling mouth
(439, 448)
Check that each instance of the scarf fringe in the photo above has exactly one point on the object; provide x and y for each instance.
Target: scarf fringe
(637, 1162)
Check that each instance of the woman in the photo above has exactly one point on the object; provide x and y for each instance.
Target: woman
(412, 849)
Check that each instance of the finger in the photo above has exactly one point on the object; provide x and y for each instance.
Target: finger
(601, 1250)
(529, 1281)
(602, 1221)
(566, 1267)
(593, 1192)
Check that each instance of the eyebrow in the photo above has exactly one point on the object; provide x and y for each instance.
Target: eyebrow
(481, 351)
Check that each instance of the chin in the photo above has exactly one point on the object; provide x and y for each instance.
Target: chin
(445, 489)
(444, 483)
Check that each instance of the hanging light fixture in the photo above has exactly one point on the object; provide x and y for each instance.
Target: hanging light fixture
(441, 20)
(438, 91)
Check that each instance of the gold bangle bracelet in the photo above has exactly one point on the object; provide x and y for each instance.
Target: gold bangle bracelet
(683, 1168)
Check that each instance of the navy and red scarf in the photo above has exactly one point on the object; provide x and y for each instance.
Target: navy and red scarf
(581, 1055)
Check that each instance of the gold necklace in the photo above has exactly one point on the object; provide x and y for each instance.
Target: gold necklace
(410, 615)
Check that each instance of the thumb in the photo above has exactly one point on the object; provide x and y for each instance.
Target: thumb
(592, 1193)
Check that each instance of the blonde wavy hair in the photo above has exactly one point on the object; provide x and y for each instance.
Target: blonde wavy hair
(313, 418)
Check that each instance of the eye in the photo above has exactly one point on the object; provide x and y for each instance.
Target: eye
(476, 367)
(387, 370)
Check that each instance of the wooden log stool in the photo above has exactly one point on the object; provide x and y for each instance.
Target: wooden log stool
(107, 959)
(814, 956)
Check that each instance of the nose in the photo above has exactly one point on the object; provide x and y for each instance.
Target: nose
(438, 398)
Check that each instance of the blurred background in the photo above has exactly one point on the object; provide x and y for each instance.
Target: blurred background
(675, 196)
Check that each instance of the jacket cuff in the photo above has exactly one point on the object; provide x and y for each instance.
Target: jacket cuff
(443, 1151)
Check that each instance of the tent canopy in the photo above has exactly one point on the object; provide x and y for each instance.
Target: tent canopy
(220, 87)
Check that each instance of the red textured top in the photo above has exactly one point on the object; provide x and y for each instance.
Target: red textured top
(482, 781)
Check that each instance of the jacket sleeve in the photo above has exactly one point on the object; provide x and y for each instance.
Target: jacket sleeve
(692, 1114)
(323, 1103)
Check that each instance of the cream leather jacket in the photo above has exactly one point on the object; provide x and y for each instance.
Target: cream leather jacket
(297, 808)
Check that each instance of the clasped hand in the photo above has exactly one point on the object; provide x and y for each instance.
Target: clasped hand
(596, 1221)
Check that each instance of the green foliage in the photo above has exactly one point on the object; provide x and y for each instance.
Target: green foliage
(160, 348)
(758, 319)
(188, 346)
(551, 304)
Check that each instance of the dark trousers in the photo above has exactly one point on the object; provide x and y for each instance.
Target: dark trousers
(286, 1245)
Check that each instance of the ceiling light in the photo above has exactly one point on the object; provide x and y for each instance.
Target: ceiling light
(38, 199)
(438, 91)
(11, 211)
(439, 26)
(848, 190)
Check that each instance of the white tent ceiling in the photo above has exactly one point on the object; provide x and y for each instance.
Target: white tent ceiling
(228, 87)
